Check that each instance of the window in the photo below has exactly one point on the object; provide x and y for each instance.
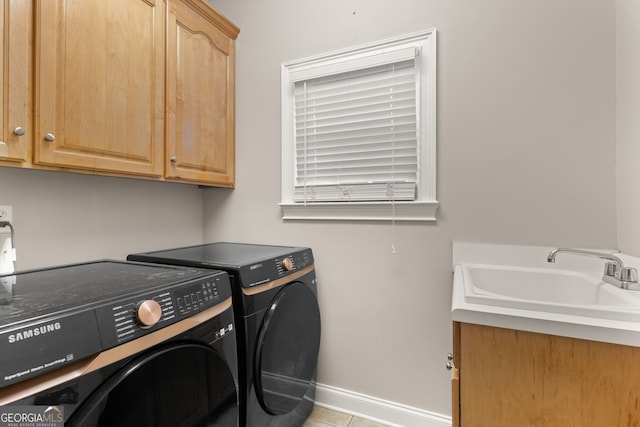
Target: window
(358, 132)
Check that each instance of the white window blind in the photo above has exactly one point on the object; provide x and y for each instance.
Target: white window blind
(356, 133)
(359, 132)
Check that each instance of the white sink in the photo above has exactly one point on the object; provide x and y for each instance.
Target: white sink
(548, 290)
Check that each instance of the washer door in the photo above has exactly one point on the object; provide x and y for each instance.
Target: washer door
(179, 385)
(287, 349)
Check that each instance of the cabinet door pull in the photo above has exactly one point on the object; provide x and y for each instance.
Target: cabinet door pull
(174, 159)
(18, 130)
(50, 137)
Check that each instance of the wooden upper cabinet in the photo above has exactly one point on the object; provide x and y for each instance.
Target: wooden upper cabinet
(138, 88)
(16, 130)
(200, 115)
(99, 85)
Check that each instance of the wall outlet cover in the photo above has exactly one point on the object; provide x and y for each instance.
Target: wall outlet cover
(6, 214)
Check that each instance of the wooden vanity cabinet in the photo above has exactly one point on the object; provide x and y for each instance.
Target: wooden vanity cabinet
(200, 94)
(504, 377)
(99, 85)
(15, 77)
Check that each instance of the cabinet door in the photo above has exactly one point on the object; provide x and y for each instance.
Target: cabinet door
(15, 75)
(200, 95)
(455, 377)
(99, 76)
(516, 378)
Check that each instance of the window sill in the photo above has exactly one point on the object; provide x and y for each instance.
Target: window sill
(361, 211)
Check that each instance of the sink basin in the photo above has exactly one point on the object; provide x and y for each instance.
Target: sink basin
(548, 290)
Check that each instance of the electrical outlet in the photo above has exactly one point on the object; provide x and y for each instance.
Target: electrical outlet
(7, 250)
(6, 214)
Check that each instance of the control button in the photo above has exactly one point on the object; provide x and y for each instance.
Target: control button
(287, 264)
(148, 312)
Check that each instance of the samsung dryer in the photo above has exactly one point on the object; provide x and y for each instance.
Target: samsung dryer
(278, 319)
(113, 343)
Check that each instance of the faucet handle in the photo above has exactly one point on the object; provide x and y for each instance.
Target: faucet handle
(628, 274)
(611, 269)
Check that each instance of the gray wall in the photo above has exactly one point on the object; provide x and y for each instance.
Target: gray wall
(526, 155)
(64, 218)
(628, 125)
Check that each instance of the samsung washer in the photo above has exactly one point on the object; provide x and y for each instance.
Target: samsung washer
(112, 343)
(278, 318)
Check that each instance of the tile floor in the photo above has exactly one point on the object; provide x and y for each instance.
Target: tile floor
(323, 417)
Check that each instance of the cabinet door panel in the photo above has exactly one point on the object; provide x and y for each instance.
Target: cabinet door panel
(15, 76)
(517, 378)
(200, 97)
(99, 85)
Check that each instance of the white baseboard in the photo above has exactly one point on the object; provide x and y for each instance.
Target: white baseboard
(378, 410)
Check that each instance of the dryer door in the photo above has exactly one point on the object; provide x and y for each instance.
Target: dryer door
(287, 349)
(185, 384)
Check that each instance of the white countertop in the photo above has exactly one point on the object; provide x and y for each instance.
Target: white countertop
(590, 328)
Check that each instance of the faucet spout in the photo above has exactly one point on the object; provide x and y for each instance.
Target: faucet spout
(609, 257)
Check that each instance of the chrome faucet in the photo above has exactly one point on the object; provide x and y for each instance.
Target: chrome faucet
(615, 273)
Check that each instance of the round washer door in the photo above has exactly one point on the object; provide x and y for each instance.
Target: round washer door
(185, 384)
(287, 349)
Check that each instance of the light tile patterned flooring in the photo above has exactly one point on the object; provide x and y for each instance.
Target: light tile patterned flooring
(323, 417)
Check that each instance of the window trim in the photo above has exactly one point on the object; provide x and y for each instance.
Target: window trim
(425, 205)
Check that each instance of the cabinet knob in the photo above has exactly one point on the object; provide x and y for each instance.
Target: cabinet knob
(174, 159)
(50, 137)
(450, 364)
(18, 130)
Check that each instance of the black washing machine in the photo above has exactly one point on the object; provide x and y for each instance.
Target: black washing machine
(113, 343)
(278, 318)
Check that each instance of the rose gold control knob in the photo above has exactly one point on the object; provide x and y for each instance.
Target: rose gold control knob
(148, 312)
(287, 264)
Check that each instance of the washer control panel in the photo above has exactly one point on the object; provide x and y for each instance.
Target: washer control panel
(293, 262)
(285, 265)
(275, 268)
(137, 316)
(196, 297)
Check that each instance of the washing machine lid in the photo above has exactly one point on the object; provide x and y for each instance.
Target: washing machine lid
(55, 316)
(222, 254)
(63, 290)
(253, 264)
